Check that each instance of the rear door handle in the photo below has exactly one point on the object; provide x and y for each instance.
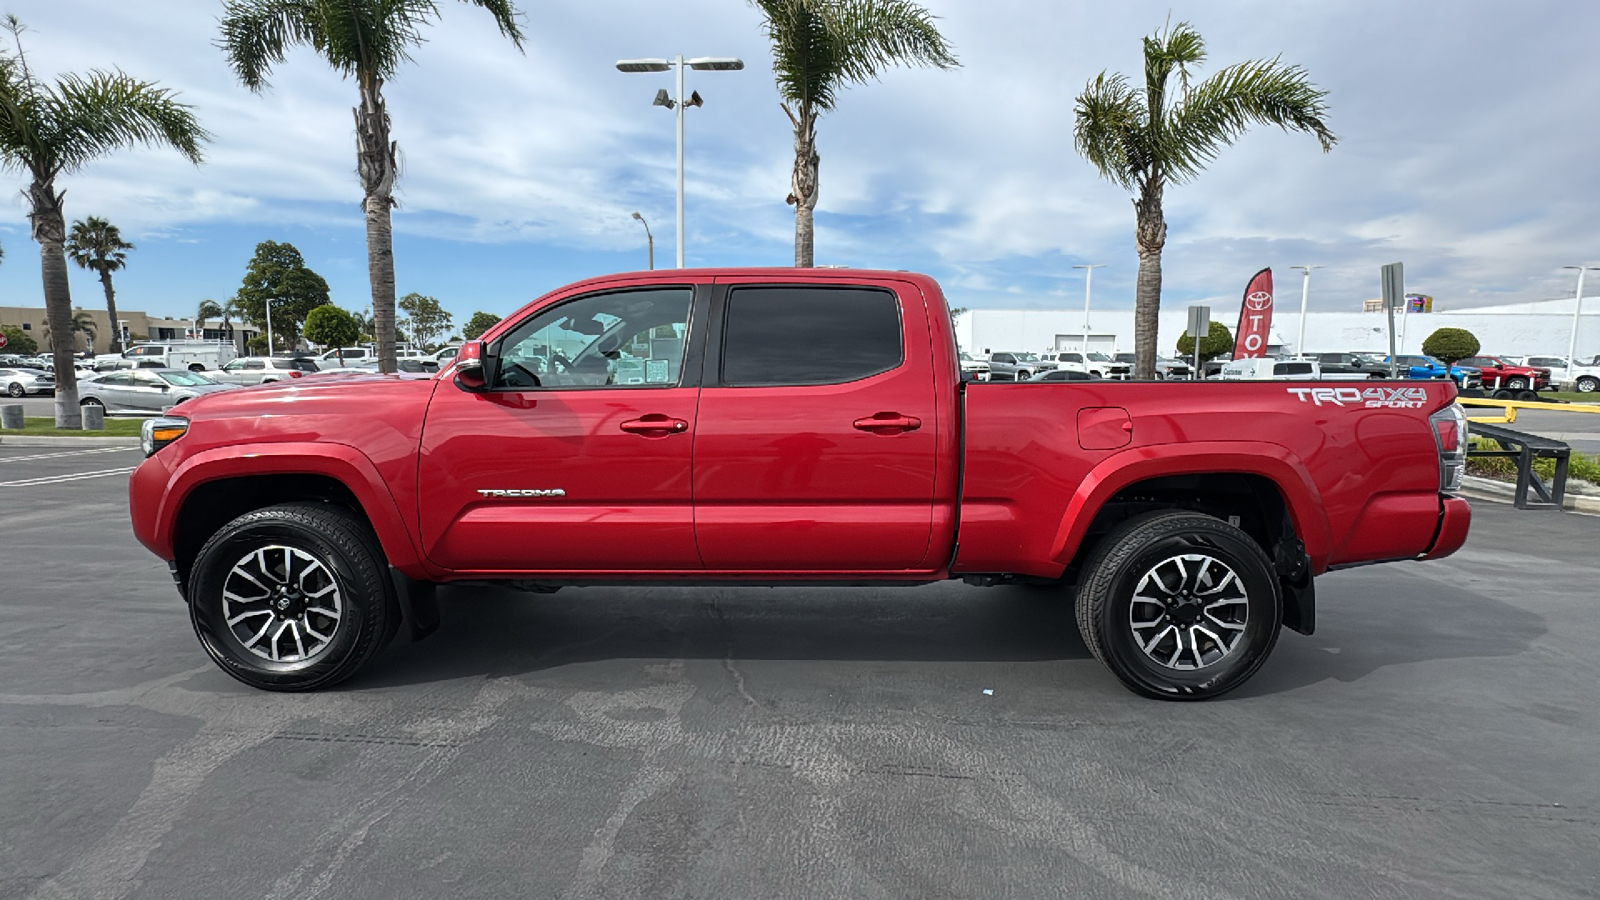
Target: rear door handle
(888, 423)
(654, 424)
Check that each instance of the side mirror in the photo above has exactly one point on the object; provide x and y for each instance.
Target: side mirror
(470, 375)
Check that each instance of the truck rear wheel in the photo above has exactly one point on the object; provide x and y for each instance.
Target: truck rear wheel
(1588, 384)
(292, 597)
(1179, 605)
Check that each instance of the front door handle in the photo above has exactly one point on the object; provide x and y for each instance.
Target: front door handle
(655, 424)
(888, 423)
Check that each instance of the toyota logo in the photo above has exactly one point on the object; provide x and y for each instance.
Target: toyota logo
(1259, 300)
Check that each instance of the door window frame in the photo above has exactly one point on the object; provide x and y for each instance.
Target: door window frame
(716, 342)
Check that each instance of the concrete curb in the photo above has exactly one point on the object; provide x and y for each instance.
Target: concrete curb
(1490, 489)
(47, 440)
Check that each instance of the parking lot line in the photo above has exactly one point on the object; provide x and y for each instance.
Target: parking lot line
(65, 453)
(56, 479)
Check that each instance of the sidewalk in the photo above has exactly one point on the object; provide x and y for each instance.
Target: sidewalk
(45, 440)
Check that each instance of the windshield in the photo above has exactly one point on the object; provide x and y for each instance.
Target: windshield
(185, 379)
(1028, 357)
(1100, 357)
(1124, 358)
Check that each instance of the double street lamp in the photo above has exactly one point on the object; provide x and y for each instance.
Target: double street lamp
(677, 104)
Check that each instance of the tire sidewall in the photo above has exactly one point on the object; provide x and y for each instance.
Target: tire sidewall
(211, 570)
(1143, 674)
(1588, 385)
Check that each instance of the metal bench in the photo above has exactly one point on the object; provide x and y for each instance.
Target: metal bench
(1525, 448)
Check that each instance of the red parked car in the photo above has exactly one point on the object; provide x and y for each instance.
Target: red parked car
(784, 426)
(1498, 374)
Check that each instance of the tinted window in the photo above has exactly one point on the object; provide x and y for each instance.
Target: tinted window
(302, 365)
(809, 335)
(120, 379)
(1292, 368)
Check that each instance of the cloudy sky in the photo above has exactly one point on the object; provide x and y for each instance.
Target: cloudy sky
(1468, 135)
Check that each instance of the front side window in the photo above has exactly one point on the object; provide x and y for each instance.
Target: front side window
(777, 336)
(621, 339)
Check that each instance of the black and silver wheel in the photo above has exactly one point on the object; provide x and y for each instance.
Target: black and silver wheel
(197, 367)
(292, 597)
(1516, 384)
(15, 389)
(1179, 605)
(1588, 384)
(92, 401)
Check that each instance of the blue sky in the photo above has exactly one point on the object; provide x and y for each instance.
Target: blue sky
(1467, 133)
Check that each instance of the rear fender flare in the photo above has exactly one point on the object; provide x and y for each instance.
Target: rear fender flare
(1270, 461)
(340, 462)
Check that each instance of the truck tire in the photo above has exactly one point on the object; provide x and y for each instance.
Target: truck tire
(1179, 605)
(1588, 384)
(292, 597)
(197, 367)
(1516, 384)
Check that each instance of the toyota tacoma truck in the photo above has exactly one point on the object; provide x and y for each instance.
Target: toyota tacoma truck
(783, 426)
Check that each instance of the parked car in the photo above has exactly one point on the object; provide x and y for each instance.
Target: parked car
(1012, 365)
(1065, 375)
(1498, 373)
(196, 356)
(22, 382)
(1167, 369)
(122, 364)
(1093, 362)
(145, 390)
(402, 364)
(1584, 376)
(1270, 369)
(349, 356)
(1350, 364)
(977, 368)
(446, 353)
(13, 361)
(264, 370)
(1407, 366)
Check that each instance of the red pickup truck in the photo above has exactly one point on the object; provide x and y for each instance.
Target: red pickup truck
(786, 426)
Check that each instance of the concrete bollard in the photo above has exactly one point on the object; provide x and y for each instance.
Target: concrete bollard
(11, 415)
(94, 417)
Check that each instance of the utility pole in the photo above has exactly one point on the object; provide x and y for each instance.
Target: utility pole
(1305, 292)
(1577, 310)
(1088, 283)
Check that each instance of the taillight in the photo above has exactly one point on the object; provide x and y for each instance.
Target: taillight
(1450, 437)
(296, 373)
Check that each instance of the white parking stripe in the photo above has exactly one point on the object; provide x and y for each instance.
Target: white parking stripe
(57, 479)
(65, 453)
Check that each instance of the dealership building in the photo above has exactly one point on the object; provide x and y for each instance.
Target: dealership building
(136, 326)
(1538, 328)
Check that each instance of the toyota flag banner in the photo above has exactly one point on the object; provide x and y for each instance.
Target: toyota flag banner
(1255, 318)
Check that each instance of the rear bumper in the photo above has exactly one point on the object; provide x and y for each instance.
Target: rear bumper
(1455, 520)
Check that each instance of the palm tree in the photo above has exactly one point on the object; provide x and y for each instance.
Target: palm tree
(366, 40)
(229, 311)
(822, 46)
(1143, 140)
(208, 309)
(49, 130)
(97, 244)
(79, 323)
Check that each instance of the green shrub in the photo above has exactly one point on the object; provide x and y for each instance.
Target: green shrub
(1451, 345)
(1580, 466)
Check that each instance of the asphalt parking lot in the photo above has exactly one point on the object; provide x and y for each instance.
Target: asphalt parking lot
(1436, 738)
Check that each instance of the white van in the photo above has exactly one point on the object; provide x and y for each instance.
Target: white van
(196, 356)
(1271, 370)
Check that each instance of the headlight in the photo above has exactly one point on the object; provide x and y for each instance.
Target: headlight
(161, 431)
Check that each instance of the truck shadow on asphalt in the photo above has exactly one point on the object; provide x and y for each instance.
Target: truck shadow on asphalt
(1366, 622)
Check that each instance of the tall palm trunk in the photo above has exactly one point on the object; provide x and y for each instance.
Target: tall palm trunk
(375, 162)
(803, 183)
(50, 230)
(111, 310)
(1150, 235)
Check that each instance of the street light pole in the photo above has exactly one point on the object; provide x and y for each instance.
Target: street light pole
(1577, 310)
(1305, 292)
(1088, 282)
(677, 104)
(650, 241)
(268, 304)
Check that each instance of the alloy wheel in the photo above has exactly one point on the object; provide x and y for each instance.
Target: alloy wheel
(282, 604)
(1189, 611)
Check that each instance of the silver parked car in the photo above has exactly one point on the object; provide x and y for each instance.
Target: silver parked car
(264, 369)
(145, 390)
(21, 382)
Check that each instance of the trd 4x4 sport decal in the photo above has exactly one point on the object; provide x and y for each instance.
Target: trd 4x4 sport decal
(1371, 397)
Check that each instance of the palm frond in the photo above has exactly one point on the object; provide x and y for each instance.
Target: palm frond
(505, 18)
(1109, 129)
(257, 33)
(1222, 107)
(21, 147)
(89, 116)
(819, 46)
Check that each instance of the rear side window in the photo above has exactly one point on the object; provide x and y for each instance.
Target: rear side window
(809, 335)
(1292, 368)
(302, 365)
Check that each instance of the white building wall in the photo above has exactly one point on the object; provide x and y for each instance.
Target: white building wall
(1502, 330)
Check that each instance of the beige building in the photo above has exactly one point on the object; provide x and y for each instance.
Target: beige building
(136, 326)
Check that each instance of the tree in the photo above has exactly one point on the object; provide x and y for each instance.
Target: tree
(49, 130)
(97, 245)
(820, 47)
(19, 341)
(366, 40)
(1144, 139)
(278, 273)
(331, 326)
(364, 322)
(257, 345)
(1218, 340)
(1451, 345)
(208, 309)
(424, 317)
(478, 324)
(79, 322)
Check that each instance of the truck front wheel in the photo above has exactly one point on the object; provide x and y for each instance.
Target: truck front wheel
(1179, 605)
(292, 597)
